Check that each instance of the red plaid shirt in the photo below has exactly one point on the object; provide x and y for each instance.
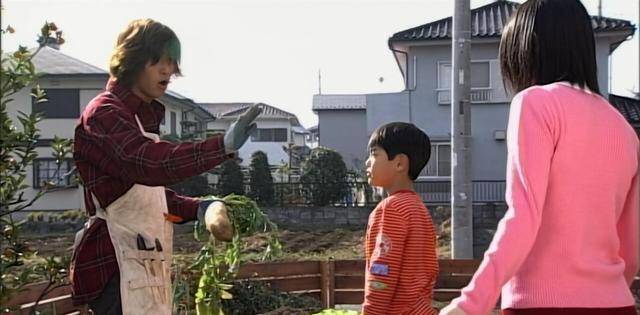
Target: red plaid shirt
(112, 155)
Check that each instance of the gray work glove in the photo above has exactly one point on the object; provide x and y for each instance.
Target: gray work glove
(241, 129)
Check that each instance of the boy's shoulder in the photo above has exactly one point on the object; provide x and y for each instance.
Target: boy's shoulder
(403, 202)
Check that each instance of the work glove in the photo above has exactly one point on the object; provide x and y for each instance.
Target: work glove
(215, 217)
(241, 129)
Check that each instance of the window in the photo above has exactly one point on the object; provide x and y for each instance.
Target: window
(440, 162)
(46, 170)
(60, 103)
(270, 135)
(480, 82)
(480, 75)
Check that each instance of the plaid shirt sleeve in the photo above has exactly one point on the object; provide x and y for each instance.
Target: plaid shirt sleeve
(182, 208)
(144, 161)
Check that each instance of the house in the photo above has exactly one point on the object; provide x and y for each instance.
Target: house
(313, 137)
(629, 108)
(70, 84)
(279, 132)
(423, 54)
(186, 118)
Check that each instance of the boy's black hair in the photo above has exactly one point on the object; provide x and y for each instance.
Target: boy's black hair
(403, 138)
(548, 41)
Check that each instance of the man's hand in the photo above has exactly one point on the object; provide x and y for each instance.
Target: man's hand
(241, 129)
(213, 214)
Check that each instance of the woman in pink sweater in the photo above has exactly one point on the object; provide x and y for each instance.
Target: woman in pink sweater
(569, 243)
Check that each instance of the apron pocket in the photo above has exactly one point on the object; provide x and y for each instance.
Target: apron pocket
(145, 283)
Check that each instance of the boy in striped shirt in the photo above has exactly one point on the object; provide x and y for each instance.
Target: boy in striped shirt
(400, 244)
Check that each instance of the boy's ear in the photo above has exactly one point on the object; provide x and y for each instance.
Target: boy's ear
(401, 162)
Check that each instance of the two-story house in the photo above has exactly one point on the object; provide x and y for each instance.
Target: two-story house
(70, 84)
(279, 132)
(423, 54)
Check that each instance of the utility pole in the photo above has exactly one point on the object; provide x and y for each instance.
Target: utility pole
(461, 189)
(319, 82)
(600, 8)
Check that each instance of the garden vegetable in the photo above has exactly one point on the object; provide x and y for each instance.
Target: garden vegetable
(219, 267)
(217, 221)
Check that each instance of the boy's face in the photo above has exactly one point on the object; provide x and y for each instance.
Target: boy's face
(380, 170)
(153, 81)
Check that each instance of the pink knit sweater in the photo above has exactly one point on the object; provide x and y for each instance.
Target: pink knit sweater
(570, 237)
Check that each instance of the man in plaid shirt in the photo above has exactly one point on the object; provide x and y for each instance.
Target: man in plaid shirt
(113, 153)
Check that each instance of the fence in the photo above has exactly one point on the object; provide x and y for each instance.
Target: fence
(333, 282)
(361, 194)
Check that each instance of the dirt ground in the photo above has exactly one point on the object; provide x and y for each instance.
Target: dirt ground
(297, 245)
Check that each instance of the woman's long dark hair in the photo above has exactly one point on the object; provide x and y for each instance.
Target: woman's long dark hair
(548, 41)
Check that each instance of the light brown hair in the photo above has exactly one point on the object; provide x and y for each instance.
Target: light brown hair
(143, 41)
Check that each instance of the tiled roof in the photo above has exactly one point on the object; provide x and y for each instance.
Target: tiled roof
(299, 130)
(628, 107)
(219, 109)
(50, 61)
(489, 20)
(181, 99)
(336, 101)
(232, 110)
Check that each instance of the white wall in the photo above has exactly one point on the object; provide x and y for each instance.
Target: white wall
(71, 198)
(274, 151)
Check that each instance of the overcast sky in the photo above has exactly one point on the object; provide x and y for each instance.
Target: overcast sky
(270, 50)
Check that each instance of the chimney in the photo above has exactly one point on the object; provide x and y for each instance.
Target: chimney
(51, 42)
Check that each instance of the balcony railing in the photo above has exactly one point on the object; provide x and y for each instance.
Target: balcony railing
(439, 192)
(359, 194)
(478, 95)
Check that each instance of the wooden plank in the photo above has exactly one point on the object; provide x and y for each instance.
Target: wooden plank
(350, 282)
(453, 281)
(66, 306)
(350, 297)
(294, 284)
(327, 283)
(266, 270)
(57, 305)
(350, 267)
(32, 292)
(461, 266)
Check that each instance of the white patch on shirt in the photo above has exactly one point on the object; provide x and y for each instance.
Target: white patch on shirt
(383, 246)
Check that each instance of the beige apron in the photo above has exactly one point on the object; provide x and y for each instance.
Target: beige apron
(145, 275)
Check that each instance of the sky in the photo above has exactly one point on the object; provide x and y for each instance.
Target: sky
(271, 51)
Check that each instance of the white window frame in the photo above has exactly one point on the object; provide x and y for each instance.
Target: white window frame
(434, 155)
(60, 182)
(440, 89)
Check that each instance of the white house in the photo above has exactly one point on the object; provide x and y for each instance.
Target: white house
(277, 131)
(70, 84)
(313, 137)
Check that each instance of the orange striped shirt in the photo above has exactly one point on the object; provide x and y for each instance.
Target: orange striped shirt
(401, 260)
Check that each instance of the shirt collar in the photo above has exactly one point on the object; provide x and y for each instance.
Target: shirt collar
(150, 114)
(125, 94)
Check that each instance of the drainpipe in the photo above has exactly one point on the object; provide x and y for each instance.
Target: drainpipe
(406, 76)
(406, 63)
